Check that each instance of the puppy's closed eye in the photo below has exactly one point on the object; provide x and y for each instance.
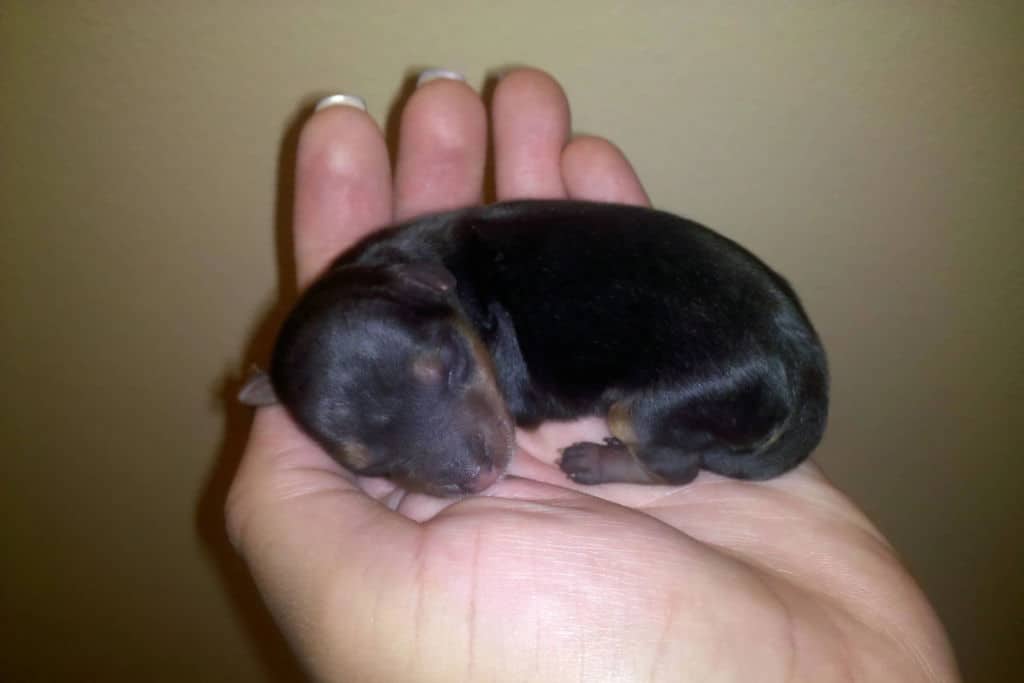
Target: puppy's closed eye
(447, 366)
(458, 364)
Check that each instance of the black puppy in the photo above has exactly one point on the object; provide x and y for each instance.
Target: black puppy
(413, 355)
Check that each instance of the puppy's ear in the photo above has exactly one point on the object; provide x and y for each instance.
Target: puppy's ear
(424, 279)
(257, 390)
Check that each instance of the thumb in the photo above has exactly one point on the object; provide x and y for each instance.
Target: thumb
(305, 529)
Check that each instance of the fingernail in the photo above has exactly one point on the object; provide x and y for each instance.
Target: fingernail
(434, 74)
(341, 100)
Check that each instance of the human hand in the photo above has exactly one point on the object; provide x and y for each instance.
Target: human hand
(539, 578)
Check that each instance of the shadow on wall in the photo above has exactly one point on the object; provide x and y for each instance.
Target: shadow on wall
(264, 637)
(272, 649)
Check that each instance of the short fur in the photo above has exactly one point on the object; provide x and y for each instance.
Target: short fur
(421, 345)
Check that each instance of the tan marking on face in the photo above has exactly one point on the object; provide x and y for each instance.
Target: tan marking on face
(355, 455)
(484, 376)
(484, 383)
(427, 367)
(620, 423)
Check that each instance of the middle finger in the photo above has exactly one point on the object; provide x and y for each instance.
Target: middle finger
(442, 149)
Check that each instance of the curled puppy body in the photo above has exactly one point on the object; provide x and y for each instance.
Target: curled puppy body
(415, 354)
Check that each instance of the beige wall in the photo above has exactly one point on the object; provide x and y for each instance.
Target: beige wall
(873, 151)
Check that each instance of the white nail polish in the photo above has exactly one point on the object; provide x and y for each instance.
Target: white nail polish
(341, 100)
(434, 74)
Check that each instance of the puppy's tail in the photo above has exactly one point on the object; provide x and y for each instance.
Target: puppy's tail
(787, 446)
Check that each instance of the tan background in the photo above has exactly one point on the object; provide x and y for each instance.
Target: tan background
(872, 151)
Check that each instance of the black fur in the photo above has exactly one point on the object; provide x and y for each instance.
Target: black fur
(582, 308)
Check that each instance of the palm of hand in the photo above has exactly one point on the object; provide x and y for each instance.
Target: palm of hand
(541, 579)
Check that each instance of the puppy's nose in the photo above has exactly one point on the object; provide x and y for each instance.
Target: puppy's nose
(484, 479)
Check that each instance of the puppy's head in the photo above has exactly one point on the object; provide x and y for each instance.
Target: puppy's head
(381, 368)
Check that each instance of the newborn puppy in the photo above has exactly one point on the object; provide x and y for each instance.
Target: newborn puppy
(416, 354)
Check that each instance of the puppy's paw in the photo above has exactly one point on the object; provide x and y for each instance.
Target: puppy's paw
(594, 463)
(583, 461)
